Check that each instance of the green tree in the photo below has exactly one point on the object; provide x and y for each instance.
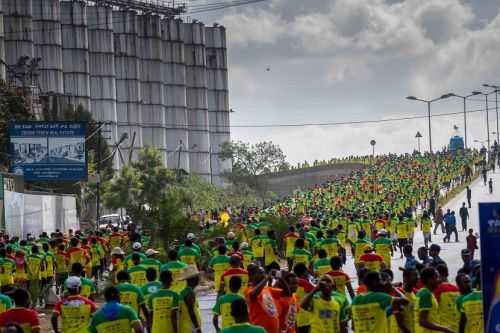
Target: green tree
(140, 186)
(252, 160)
(12, 108)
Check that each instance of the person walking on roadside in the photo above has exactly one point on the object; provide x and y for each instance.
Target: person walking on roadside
(471, 243)
(469, 196)
(438, 219)
(490, 185)
(451, 227)
(485, 175)
(464, 216)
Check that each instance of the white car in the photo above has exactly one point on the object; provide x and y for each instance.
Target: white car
(115, 220)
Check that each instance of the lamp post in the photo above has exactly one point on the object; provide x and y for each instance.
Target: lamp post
(464, 98)
(487, 113)
(413, 98)
(496, 90)
(373, 143)
(418, 136)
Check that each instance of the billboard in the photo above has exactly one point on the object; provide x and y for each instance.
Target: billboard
(489, 225)
(48, 151)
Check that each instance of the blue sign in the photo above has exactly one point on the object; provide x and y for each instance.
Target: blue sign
(489, 225)
(48, 151)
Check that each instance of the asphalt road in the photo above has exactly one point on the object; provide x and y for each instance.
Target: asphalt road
(450, 252)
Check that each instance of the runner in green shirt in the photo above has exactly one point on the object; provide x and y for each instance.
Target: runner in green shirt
(239, 312)
(426, 305)
(322, 265)
(301, 255)
(130, 294)
(188, 254)
(152, 285)
(164, 306)
(222, 307)
(175, 267)
(115, 317)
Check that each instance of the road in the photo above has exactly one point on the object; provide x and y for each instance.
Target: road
(450, 252)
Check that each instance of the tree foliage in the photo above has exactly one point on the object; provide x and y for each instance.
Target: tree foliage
(139, 186)
(12, 108)
(252, 160)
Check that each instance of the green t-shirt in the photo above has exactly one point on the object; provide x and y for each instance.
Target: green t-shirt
(321, 266)
(130, 295)
(244, 328)
(175, 267)
(128, 259)
(150, 288)
(301, 256)
(152, 263)
(113, 317)
(223, 308)
(138, 275)
(5, 303)
(370, 311)
(189, 255)
(162, 303)
(426, 301)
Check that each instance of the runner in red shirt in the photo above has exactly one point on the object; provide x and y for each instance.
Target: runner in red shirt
(21, 315)
(372, 261)
(235, 270)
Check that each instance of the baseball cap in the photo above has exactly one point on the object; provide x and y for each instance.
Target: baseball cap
(73, 282)
(136, 246)
(190, 236)
(382, 232)
(151, 252)
(230, 235)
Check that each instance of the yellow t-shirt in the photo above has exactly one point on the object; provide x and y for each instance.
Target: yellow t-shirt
(326, 316)
(425, 301)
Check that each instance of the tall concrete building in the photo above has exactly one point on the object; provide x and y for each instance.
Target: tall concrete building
(135, 65)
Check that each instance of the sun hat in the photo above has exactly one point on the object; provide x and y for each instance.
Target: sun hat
(151, 252)
(189, 272)
(117, 251)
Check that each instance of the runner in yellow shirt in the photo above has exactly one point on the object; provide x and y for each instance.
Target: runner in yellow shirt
(164, 306)
(426, 305)
(328, 315)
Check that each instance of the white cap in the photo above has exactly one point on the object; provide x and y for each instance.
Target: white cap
(190, 236)
(382, 232)
(117, 251)
(151, 252)
(136, 246)
(73, 282)
(230, 235)
(244, 245)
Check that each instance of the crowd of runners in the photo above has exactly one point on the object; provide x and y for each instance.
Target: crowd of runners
(267, 281)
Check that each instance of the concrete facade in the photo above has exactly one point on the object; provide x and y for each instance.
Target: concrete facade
(156, 78)
(284, 183)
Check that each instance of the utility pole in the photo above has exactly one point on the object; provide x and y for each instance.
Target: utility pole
(98, 195)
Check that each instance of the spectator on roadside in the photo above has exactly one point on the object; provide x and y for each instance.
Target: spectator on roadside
(471, 243)
(451, 226)
(438, 220)
(464, 216)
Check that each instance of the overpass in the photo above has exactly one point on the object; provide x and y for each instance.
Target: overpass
(285, 182)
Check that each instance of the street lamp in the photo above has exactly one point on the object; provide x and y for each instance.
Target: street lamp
(487, 112)
(413, 98)
(373, 143)
(496, 90)
(418, 136)
(464, 98)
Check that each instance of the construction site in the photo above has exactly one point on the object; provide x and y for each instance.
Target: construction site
(152, 77)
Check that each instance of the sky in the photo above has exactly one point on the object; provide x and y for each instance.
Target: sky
(324, 61)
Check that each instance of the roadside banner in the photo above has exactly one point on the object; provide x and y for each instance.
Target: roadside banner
(489, 225)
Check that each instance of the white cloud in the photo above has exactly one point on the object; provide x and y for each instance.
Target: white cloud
(336, 60)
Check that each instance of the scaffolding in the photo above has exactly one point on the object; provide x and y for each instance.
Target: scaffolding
(167, 8)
